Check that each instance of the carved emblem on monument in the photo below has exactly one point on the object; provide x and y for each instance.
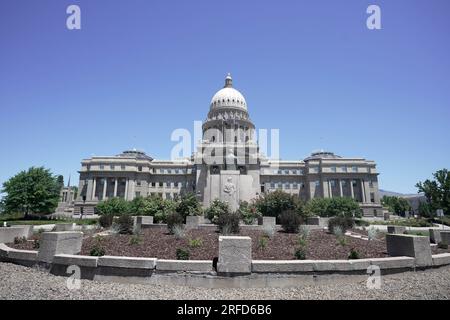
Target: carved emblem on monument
(229, 188)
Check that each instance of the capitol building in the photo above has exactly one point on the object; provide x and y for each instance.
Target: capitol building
(227, 165)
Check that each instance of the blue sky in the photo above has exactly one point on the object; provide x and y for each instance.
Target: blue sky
(139, 69)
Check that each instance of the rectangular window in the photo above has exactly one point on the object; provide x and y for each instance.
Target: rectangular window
(286, 171)
(139, 168)
(300, 171)
(354, 183)
(168, 195)
(355, 169)
(294, 171)
(272, 185)
(333, 169)
(138, 194)
(344, 169)
(88, 167)
(333, 183)
(372, 197)
(287, 185)
(177, 171)
(153, 184)
(280, 185)
(295, 185)
(102, 167)
(122, 167)
(160, 184)
(112, 167)
(138, 183)
(280, 172)
(317, 183)
(169, 171)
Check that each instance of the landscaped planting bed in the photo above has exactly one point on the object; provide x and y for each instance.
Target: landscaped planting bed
(282, 246)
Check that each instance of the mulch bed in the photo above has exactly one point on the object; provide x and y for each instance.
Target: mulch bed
(158, 243)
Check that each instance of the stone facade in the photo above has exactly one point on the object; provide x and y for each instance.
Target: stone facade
(227, 165)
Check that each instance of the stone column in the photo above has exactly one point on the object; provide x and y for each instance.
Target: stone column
(341, 193)
(105, 185)
(351, 189)
(363, 191)
(325, 189)
(115, 187)
(93, 188)
(126, 189)
(330, 190)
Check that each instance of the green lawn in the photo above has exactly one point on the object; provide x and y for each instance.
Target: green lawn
(405, 222)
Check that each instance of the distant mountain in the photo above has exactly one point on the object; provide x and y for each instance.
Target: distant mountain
(397, 194)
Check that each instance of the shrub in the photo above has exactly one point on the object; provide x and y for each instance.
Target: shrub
(216, 209)
(106, 220)
(303, 231)
(273, 204)
(248, 212)
(114, 206)
(189, 206)
(228, 223)
(195, 243)
(135, 239)
(178, 231)
(337, 231)
(98, 250)
(300, 254)
(174, 219)
(19, 240)
(262, 242)
(372, 233)
(332, 207)
(125, 224)
(344, 223)
(342, 240)
(290, 221)
(354, 254)
(182, 254)
(36, 244)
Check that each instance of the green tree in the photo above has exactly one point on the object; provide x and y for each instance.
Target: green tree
(34, 191)
(437, 191)
(396, 204)
(189, 205)
(60, 181)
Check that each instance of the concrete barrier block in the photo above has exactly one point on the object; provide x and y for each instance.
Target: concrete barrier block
(184, 265)
(27, 230)
(445, 236)
(127, 262)
(4, 249)
(394, 262)
(65, 242)
(192, 222)
(235, 255)
(435, 236)
(137, 226)
(267, 221)
(64, 227)
(25, 255)
(441, 259)
(282, 266)
(317, 221)
(7, 234)
(147, 220)
(417, 247)
(81, 261)
(396, 229)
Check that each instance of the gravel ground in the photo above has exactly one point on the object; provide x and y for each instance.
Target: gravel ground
(17, 282)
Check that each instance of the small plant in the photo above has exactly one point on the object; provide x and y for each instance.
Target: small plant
(300, 254)
(290, 221)
(268, 231)
(125, 224)
(342, 241)
(195, 243)
(262, 242)
(303, 232)
(182, 254)
(226, 230)
(344, 223)
(372, 233)
(41, 230)
(178, 231)
(443, 245)
(36, 244)
(98, 250)
(338, 232)
(353, 254)
(301, 241)
(106, 220)
(19, 240)
(135, 239)
(174, 219)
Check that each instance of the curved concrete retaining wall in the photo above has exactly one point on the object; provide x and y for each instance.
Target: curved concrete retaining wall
(7, 234)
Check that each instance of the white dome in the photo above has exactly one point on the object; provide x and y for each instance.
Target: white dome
(228, 97)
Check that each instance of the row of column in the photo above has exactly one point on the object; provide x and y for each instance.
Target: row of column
(364, 187)
(92, 188)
